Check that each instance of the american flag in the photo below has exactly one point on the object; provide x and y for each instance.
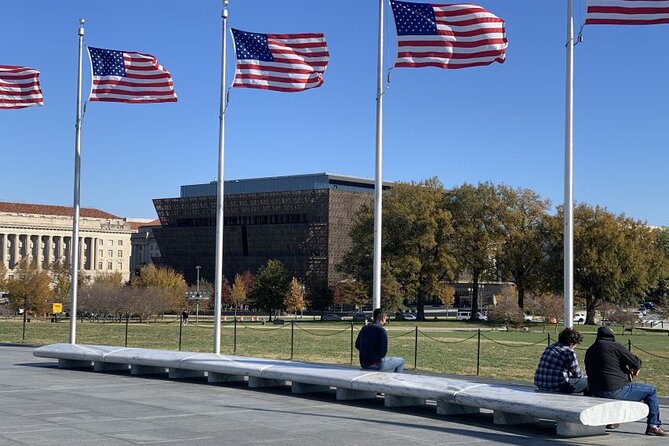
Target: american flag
(280, 62)
(19, 87)
(447, 36)
(627, 12)
(126, 76)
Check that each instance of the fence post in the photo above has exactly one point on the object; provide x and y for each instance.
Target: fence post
(234, 338)
(292, 338)
(127, 320)
(629, 344)
(549, 339)
(181, 324)
(351, 343)
(478, 354)
(415, 350)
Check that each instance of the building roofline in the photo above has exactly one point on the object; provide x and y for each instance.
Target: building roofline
(49, 209)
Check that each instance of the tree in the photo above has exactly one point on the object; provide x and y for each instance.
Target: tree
(392, 294)
(477, 231)
(350, 293)
(270, 286)
(170, 283)
(521, 258)
(30, 288)
(506, 312)
(415, 246)
(550, 307)
(320, 296)
(293, 302)
(61, 279)
(238, 292)
(615, 257)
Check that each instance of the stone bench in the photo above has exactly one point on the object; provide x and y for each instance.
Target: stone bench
(575, 415)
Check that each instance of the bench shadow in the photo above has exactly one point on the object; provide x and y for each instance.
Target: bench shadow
(529, 434)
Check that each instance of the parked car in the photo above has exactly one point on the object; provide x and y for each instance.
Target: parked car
(405, 317)
(331, 317)
(463, 315)
(361, 317)
(579, 317)
(482, 316)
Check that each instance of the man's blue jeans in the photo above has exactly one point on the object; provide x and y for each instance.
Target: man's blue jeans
(638, 392)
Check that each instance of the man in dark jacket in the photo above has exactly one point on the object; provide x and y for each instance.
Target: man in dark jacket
(372, 343)
(610, 368)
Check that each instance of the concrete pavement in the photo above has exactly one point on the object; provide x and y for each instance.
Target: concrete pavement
(43, 405)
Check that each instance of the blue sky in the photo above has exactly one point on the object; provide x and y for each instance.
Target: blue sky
(502, 123)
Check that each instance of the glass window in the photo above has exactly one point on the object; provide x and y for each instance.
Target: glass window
(111, 242)
(99, 265)
(120, 253)
(102, 242)
(119, 266)
(110, 265)
(111, 253)
(120, 242)
(101, 252)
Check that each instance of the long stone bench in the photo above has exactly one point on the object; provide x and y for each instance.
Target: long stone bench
(575, 415)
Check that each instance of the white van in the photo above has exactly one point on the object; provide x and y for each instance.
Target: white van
(579, 317)
(463, 315)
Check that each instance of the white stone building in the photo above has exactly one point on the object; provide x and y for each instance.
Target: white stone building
(144, 245)
(43, 233)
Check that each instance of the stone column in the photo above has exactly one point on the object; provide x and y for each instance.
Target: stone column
(15, 249)
(3, 249)
(48, 252)
(81, 254)
(67, 247)
(60, 248)
(94, 256)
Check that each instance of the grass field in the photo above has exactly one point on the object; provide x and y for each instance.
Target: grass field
(442, 347)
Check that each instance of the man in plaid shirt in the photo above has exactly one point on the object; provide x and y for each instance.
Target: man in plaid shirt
(558, 369)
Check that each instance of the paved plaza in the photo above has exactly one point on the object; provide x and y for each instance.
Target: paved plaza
(43, 405)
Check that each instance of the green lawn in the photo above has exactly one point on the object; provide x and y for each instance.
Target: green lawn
(443, 347)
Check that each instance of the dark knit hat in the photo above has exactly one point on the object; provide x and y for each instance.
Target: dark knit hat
(605, 333)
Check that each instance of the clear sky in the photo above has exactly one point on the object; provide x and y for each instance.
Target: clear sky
(502, 123)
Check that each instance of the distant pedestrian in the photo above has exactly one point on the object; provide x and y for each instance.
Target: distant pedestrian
(558, 369)
(611, 368)
(372, 343)
(184, 317)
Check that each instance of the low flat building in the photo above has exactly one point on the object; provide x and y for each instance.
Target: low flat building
(43, 234)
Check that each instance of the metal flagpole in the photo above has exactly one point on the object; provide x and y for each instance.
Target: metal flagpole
(378, 178)
(74, 243)
(218, 285)
(569, 174)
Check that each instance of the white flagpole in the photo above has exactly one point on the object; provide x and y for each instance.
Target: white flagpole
(569, 175)
(74, 243)
(218, 281)
(378, 178)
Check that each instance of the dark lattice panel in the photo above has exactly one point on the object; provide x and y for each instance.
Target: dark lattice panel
(288, 226)
(343, 208)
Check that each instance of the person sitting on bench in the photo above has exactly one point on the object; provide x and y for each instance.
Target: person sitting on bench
(372, 343)
(558, 369)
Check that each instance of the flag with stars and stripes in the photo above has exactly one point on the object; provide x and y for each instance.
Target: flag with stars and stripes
(627, 12)
(447, 36)
(19, 87)
(280, 62)
(127, 76)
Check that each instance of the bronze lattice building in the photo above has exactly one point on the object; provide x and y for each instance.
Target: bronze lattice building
(301, 220)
